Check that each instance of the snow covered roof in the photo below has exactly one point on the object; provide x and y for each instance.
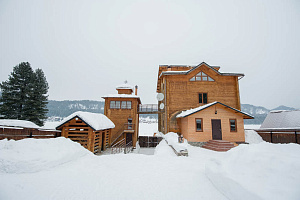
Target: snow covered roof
(96, 121)
(195, 67)
(194, 110)
(280, 119)
(18, 123)
(121, 96)
(125, 86)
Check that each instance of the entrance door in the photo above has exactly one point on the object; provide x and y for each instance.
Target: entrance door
(128, 138)
(216, 129)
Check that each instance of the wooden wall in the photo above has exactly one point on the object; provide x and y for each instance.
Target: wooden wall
(120, 116)
(182, 94)
(280, 136)
(80, 132)
(188, 125)
(22, 133)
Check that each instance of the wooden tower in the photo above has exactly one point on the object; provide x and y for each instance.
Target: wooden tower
(122, 109)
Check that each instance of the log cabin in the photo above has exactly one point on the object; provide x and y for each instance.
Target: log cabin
(122, 109)
(91, 130)
(214, 95)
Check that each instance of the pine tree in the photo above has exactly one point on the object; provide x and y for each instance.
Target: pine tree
(38, 98)
(24, 94)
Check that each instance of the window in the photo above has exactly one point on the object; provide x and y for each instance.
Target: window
(199, 125)
(120, 104)
(201, 76)
(112, 104)
(232, 125)
(203, 98)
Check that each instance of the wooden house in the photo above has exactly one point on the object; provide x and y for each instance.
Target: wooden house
(281, 126)
(122, 109)
(191, 87)
(91, 130)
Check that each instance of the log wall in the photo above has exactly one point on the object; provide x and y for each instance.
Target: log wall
(13, 133)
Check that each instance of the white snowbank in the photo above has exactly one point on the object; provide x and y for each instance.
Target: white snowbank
(18, 123)
(258, 171)
(172, 139)
(163, 149)
(33, 155)
(252, 137)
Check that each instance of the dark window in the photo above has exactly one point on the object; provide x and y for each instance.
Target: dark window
(232, 125)
(201, 76)
(198, 124)
(203, 98)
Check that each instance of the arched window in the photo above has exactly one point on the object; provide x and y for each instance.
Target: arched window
(201, 76)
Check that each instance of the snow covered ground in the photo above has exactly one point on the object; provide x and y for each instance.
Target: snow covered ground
(61, 169)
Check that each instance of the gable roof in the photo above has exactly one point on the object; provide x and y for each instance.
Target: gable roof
(195, 110)
(184, 70)
(196, 67)
(282, 119)
(96, 121)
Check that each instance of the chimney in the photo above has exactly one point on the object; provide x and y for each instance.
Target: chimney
(136, 87)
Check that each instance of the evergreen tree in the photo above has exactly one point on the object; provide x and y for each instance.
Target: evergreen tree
(24, 94)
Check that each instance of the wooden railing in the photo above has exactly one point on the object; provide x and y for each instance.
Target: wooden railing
(128, 147)
(118, 147)
(148, 108)
(125, 126)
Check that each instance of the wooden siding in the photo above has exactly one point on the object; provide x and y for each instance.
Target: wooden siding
(182, 94)
(12, 133)
(188, 125)
(120, 116)
(80, 132)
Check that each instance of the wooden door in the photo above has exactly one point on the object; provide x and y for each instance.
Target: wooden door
(216, 129)
(128, 137)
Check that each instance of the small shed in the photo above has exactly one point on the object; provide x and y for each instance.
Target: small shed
(91, 130)
(281, 126)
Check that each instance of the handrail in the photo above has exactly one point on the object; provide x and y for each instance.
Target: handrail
(126, 126)
(148, 108)
(128, 147)
(118, 147)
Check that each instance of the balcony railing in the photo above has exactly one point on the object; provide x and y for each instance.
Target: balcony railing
(148, 108)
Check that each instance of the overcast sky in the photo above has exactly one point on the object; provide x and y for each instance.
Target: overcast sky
(88, 47)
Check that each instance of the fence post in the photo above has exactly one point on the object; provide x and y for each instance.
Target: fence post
(296, 139)
(271, 138)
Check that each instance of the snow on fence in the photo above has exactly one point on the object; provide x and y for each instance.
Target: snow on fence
(18, 133)
(149, 141)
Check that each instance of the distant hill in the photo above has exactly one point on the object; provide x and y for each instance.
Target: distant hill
(60, 109)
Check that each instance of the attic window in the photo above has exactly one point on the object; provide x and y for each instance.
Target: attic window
(201, 76)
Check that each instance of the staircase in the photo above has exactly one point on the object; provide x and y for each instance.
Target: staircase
(218, 145)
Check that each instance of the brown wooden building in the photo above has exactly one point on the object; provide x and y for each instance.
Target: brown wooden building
(189, 87)
(91, 130)
(122, 109)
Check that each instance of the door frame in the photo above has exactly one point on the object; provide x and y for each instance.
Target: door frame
(212, 129)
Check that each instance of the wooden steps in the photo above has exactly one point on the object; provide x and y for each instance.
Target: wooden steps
(218, 145)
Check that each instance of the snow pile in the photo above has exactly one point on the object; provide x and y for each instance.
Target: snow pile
(96, 120)
(34, 155)
(18, 123)
(257, 171)
(163, 149)
(252, 137)
(172, 139)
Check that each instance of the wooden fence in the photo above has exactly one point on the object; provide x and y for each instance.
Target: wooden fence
(149, 141)
(15, 133)
(280, 136)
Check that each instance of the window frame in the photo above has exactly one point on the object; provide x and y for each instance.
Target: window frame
(201, 76)
(235, 125)
(201, 124)
(202, 98)
(126, 106)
